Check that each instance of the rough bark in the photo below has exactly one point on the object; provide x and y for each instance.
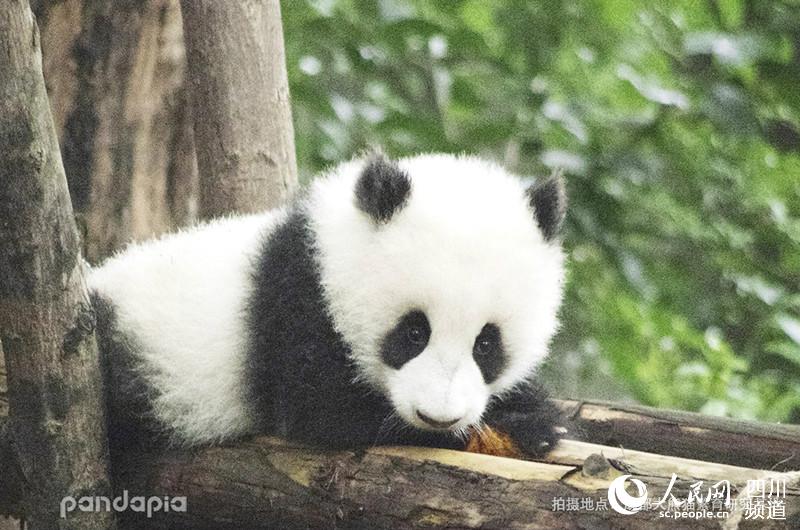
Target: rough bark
(10, 524)
(9, 500)
(686, 434)
(3, 384)
(240, 101)
(57, 430)
(115, 74)
(267, 483)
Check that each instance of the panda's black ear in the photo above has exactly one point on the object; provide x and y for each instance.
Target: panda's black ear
(548, 200)
(382, 188)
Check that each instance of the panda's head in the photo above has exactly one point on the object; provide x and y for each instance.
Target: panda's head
(443, 274)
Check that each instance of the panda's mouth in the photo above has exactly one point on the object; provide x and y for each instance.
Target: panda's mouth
(437, 424)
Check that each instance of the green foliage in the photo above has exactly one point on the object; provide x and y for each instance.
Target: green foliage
(677, 123)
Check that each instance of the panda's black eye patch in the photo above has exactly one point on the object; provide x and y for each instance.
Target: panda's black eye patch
(406, 340)
(488, 352)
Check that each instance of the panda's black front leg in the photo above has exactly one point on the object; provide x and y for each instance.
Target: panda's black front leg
(527, 417)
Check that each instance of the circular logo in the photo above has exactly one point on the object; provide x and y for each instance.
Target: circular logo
(622, 501)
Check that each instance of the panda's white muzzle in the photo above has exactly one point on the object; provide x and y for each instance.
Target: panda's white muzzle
(433, 393)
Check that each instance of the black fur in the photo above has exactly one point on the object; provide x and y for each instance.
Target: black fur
(130, 420)
(488, 352)
(300, 379)
(302, 383)
(382, 189)
(549, 202)
(527, 416)
(406, 340)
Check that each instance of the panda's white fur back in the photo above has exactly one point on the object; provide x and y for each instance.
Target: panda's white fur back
(181, 299)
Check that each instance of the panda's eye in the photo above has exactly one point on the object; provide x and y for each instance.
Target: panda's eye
(488, 344)
(406, 340)
(489, 353)
(416, 335)
(484, 346)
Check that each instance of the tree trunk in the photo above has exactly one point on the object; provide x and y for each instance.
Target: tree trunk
(240, 100)
(46, 323)
(115, 73)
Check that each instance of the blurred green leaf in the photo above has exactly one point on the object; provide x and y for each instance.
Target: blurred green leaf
(678, 123)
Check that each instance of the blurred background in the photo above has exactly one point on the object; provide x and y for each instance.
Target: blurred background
(677, 124)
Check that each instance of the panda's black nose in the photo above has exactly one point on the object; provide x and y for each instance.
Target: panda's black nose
(436, 423)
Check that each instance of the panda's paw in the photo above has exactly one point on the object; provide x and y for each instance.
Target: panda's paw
(534, 434)
(529, 419)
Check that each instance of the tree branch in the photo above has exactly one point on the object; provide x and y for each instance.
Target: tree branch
(686, 434)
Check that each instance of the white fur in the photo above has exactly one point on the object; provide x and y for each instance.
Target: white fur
(466, 250)
(181, 298)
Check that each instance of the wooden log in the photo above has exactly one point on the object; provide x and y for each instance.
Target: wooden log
(668, 431)
(575, 453)
(56, 427)
(696, 435)
(268, 483)
(240, 101)
(685, 434)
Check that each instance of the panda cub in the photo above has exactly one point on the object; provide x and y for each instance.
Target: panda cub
(394, 302)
